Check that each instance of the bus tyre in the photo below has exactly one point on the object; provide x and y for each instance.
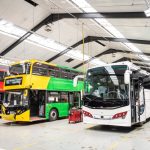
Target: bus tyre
(53, 115)
(140, 124)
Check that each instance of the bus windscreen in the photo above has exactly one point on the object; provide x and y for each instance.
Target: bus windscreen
(105, 87)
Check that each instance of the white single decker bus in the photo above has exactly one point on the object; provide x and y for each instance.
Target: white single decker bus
(116, 94)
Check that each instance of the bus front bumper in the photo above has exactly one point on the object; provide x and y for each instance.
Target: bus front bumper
(24, 117)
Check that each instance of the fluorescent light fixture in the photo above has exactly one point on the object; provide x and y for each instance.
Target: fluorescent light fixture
(97, 62)
(144, 57)
(86, 7)
(11, 28)
(5, 62)
(77, 55)
(7, 34)
(109, 27)
(46, 42)
(147, 12)
(132, 47)
(14, 31)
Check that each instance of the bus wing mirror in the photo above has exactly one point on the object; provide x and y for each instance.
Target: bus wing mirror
(75, 80)
(127, 77)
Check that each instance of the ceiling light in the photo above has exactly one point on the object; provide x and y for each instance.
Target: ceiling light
(11, 28)
(144, 57)
(78, 55)
(86, 7)
(132, 47)
(97, 62)
(147, 12)
(14, 31)
(5, 62)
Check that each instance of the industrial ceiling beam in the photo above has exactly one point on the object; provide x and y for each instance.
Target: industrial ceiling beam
(55, 17)
(124, 51)
(131, 59)
(86, 40)
(126, 59)
(123, 40)
(102, 44)
(47, 20)
(109, 51)
(96, 56)
(93, 15)
(95, 38)
(142, 66)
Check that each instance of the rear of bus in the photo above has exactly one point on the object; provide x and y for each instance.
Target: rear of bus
(106, 99)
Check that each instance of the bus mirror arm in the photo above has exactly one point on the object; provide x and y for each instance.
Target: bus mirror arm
(75, 80)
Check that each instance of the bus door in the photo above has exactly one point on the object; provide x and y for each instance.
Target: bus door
(138, 106)
(141, 103)
(37, 103)
(133, 101)
(42, 102)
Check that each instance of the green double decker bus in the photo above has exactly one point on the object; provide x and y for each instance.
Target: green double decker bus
(37, 90)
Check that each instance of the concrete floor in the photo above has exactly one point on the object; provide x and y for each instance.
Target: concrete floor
(60, 135)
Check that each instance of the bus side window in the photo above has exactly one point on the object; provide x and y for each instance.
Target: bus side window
(57, 72)
(40, 69)
(70, 74)
(64, 97)
(51, 71)
(54, 71)
(64, 73)
(53, 97)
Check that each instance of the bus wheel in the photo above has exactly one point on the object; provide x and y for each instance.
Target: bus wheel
(140, 124)
(53, 115)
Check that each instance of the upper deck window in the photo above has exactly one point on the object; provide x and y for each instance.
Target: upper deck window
(54, 71)
(20, 69)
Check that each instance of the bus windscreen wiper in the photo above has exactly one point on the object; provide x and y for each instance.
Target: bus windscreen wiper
(91, 98)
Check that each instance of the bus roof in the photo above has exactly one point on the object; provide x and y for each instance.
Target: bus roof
(131, 66)
(39, 61)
